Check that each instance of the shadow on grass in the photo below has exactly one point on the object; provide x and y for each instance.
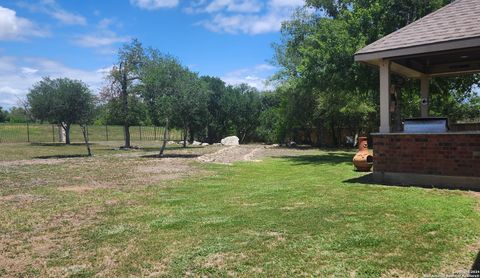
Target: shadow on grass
(172, 155)
(61, 156)
(58, 144)
(475, 270)
(368, 179)
(329, 158)
(169, 148)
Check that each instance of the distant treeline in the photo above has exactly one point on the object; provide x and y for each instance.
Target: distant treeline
(320, 91)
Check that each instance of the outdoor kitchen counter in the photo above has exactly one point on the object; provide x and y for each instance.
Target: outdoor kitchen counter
(423, 158)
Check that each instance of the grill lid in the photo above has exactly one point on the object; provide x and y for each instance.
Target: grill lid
(422, 125)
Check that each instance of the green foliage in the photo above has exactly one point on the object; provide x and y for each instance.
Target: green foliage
(3, 115)
(122, 92)
(234, 110)
(60, 101)
(111, 113)
(17, 115)
(316, 53)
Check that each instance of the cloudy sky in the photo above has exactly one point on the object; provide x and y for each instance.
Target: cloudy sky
(230, 39)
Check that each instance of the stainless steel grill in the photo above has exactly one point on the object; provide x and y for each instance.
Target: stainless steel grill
(426, 125)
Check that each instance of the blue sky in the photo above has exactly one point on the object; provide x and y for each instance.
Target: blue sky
(230, 39)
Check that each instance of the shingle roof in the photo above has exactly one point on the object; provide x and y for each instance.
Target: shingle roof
(456, 21)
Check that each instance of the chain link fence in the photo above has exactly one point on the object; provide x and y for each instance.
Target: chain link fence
(40, 133)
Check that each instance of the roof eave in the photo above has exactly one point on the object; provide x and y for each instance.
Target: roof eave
(417, 50)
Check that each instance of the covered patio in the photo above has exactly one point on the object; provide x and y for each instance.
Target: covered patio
(443, 43)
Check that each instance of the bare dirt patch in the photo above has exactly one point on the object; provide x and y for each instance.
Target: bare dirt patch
(252, 153)
(231, 154)
(20, 198)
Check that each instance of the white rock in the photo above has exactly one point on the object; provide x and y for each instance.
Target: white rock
(230, 141)
(205, 144)
(196, 143)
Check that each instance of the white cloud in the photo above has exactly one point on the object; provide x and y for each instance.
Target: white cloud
(154, 4)
(67, 17)
(13, 27)
(105, 39)
(17, 76)
(245, 16)
(101, 37)
(240, 6)
(255, 76)
(247, 24)
(51, 8)
(286, 3)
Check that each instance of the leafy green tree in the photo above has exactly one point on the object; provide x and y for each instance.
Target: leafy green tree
(218, 118)
(3, 115)
(233, 110)
(316, 54)
(190, 104)
(270, 120)
(112, 112)
(245, 111)
(162, 80)
(17, 115)
(123, 89)
(62, 101)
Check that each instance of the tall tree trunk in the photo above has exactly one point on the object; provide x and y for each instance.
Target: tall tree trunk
(165, 138)
(243, 136)
(126, 124)
(66, 127)
(185, 134)
(191, 135)
(126, 131)
(334, 136)
(86, 139)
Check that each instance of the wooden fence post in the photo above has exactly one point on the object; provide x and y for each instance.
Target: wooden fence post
(140, 128)
(53, 133)
(106, 131)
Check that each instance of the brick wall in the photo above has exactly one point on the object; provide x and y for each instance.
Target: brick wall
(434, 154)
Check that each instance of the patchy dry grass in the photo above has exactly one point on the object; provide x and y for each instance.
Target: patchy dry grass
(129, 213)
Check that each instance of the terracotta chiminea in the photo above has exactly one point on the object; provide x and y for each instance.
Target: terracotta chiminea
(363, 160)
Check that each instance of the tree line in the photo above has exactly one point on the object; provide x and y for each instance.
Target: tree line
(146, 86)
(320, 87)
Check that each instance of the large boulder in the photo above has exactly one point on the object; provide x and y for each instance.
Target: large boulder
(230, 141)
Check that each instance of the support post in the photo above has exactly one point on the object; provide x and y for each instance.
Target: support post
(424, 91)
(385, 96)
(28, 132)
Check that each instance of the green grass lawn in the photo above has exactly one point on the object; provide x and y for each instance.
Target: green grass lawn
(307, 215)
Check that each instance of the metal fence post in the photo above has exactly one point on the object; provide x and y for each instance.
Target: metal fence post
(106, 132)
(140, 128)
(53, 133)
(28, 132)
(154, 133)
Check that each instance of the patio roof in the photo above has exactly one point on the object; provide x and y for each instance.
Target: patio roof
(444, 42)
